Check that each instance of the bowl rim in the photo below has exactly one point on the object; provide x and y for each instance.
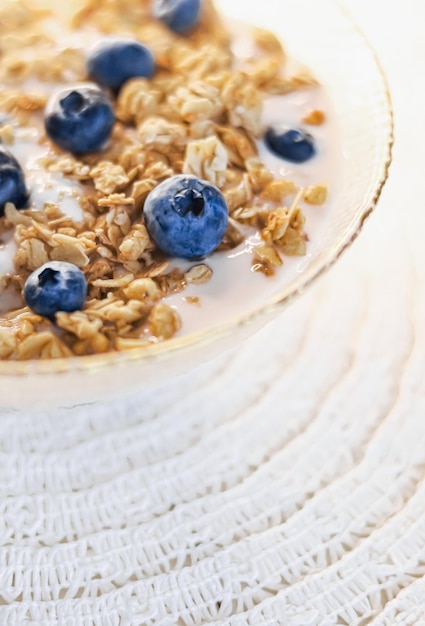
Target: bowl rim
(164, 350)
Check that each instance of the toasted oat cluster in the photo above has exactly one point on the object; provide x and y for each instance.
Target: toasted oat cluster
(199, 114)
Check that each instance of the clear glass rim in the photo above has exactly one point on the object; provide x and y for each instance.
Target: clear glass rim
(169, 348)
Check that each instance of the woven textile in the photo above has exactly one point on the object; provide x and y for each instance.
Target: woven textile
(280, 484)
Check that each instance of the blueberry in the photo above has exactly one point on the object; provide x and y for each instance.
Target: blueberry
(293, 145)
(186, 217)
(79, 120)
(12, 182)
(112, 63)
(181, 16)
(55, 286)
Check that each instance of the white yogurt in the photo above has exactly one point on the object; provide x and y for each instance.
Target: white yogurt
(44, 186)
(7, 251)
(234, 288)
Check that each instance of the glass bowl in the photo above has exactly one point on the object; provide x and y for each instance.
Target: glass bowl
(321, 35)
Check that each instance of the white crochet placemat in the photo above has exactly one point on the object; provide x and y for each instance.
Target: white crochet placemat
(282, 484)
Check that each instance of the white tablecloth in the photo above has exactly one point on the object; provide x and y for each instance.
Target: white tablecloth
(281, 485)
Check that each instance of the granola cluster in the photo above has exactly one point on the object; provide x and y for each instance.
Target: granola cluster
(200, 114)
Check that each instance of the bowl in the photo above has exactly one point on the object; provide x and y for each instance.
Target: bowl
(321, 35)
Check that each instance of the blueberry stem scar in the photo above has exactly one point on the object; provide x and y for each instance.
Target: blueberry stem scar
(189, 201)
(48, 276)
(73, 102)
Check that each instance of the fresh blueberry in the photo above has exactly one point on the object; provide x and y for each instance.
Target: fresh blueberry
(12, 182)
(112, 63)
(293, 145)
(55, 286)
(181, 16)
(186, 217)
(79, 120)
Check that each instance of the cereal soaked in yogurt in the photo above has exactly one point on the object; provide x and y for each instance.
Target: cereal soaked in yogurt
(167, 158)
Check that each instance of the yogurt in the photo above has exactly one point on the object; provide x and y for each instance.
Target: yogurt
(235, 288)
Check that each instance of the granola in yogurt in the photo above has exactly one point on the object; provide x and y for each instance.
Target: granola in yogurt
(198, 115)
